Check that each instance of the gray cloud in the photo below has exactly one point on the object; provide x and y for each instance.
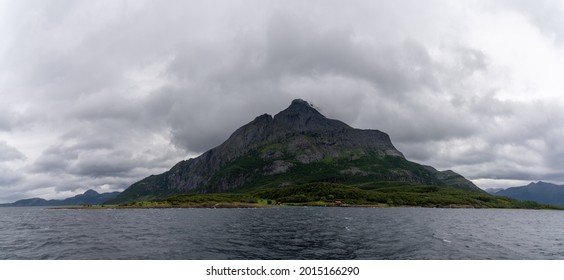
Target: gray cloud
(546, 15)
(9, 156)
(291, 51)
(101, 94)
(54, 160)
(9, 153)
(5, 123)
(8, 177)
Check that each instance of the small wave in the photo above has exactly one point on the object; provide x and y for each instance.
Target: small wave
(442, 238)
(49, 244)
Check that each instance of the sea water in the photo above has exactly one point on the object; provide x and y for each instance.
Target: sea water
(281, 233)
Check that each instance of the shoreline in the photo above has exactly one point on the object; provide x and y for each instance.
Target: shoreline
(256, 206)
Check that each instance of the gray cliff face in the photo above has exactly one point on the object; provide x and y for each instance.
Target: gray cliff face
(307, 134)
(302, 117)
(296, 135)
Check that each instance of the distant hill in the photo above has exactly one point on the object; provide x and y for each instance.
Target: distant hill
(89, 197)
(540, 192)
(296, 146)
(493, 190)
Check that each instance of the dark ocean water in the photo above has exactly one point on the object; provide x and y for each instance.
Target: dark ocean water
(281, 233)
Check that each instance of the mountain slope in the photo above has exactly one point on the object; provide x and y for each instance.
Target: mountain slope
(89, 197)
(493, 190)
(298, 145)
(540, 192)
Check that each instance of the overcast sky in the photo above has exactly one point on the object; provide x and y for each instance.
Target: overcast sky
(100, 94)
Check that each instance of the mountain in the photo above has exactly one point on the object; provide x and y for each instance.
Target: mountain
(493, 190)
(540, 192)
(89, 197)
(298, 145)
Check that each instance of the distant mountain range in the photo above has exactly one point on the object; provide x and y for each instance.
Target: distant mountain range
(90, 197)
(296, 146)
(541, 192)
(493, 190)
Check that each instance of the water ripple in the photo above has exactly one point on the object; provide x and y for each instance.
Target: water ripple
(281, 233)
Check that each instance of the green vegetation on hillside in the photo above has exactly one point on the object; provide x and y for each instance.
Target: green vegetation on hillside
(347, 171)
(329, 194)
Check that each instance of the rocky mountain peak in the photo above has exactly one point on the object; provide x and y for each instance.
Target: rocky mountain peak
(301, 102)
(90, 193)
(302, 116)
(540, 184)
(262, 118)
(300, 107)
(298, 144)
